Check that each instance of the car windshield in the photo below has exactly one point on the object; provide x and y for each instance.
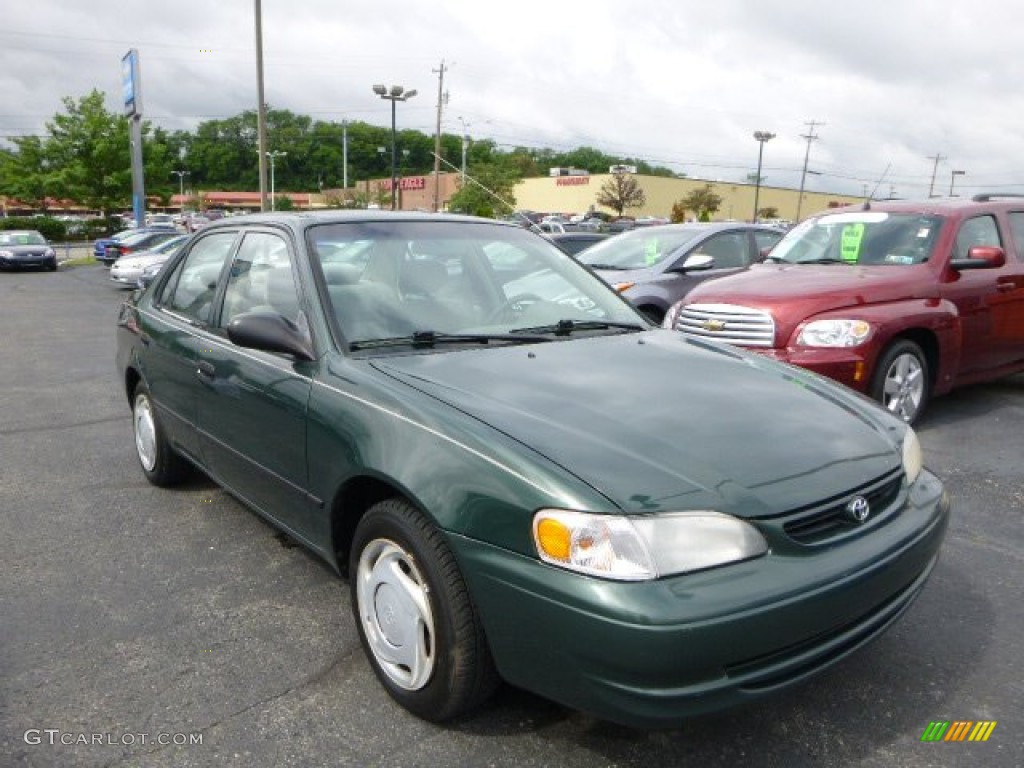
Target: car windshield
(22, 238)
(639, 249)
(861, 237)
(430, 280)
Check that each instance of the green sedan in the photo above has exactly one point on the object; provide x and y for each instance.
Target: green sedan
(521, 478)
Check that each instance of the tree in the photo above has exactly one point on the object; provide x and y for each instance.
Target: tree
(283, 203)
(703, 202)
(619, 192)
(486, 192)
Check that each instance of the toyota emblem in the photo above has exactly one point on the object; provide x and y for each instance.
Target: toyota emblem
(858, 509)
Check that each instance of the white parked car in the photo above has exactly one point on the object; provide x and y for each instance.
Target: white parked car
(127, 270)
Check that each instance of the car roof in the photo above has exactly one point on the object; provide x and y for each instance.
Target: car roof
(301, 220)
(944, 206)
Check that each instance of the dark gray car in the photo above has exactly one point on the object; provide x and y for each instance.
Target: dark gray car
(656, 266)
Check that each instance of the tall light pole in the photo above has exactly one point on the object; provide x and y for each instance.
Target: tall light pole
(395, 94)
(272, 156)
(810, 136)
(261, 106)
(761, 137)
(952, 178)
(181, 187)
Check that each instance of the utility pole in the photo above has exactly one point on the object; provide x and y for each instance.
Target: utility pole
(344, 154)
(807, 155)
(437, 136)
(935, 170)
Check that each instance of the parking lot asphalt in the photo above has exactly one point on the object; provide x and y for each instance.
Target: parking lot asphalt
(131, 616)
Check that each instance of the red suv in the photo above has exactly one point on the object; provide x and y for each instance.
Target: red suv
(899, 300)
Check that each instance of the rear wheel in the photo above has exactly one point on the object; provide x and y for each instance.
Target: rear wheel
(161, 465)
(416, 621)
(901, 382)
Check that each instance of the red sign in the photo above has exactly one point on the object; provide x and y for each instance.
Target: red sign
(571, 181)
(408, 182)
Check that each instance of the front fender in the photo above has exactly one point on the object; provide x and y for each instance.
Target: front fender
(933, 323)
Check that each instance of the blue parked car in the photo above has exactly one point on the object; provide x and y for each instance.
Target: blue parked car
(99, 247)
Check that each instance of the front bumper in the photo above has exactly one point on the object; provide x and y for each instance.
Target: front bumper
(125, 276)
(28, 262)
(653, 653)
(847, 366)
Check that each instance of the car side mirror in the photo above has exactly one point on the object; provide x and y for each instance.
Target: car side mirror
(269, 332)
(981, 257)
(696, 262)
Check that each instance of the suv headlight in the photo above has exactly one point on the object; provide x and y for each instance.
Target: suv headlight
(913, 460)
(834, 333)
(640, 548)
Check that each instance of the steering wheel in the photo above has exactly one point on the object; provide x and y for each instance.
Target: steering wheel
(515, 303)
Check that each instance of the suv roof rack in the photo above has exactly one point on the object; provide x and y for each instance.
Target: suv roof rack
(987, 196)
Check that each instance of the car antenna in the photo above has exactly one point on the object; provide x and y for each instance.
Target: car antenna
(867, 203)
(532, 224)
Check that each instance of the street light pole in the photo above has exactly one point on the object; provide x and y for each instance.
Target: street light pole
(395, 94)
(761, 137)
(181, 187)
(273, 155)
(952, 178)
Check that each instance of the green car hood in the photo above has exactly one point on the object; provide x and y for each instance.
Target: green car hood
(655, 421)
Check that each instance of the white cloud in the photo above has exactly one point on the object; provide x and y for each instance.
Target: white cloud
(679, 83)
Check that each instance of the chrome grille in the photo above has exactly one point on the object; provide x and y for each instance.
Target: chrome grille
(729, 323)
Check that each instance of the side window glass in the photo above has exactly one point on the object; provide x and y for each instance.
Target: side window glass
(766, 240)
(729, 250)
(981, 230)
(261, 279)
(1017, 228)
(195, 286)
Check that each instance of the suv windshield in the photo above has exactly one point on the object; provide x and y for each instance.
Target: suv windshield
(861, 237)
(22, 238)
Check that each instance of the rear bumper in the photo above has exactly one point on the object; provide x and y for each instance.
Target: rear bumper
(651, 654)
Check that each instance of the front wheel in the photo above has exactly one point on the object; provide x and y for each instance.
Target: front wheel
(416, 621)
(901, 382)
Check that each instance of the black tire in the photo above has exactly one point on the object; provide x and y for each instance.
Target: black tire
(161, 465)
(901, 382)
(416, 621)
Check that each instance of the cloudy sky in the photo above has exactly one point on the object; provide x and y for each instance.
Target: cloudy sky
(891, 86)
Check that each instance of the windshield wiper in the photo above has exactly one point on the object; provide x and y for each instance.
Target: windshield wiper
(608, 266)
(566, 327)
(430, 339)
(823, 260)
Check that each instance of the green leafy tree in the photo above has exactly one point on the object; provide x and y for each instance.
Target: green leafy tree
(487, 192)
(26, 175)
(703, 201)
(619, 192)
(283, 203)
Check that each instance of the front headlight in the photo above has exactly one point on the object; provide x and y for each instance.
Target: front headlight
(6, 254)
(913, 460)
(49, 253)
(834, 333)
(643, 548)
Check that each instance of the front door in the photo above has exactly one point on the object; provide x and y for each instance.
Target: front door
(252, 405)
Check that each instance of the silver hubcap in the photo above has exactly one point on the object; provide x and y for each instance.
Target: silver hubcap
(145, 432)
(904, 387)
(396, 615)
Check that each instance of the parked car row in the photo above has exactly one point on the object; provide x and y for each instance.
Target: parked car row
(506, 456)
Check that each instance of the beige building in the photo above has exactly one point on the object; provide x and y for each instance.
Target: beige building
(578, 194)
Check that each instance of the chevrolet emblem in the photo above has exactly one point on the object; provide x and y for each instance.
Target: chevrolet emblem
(713, 325)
